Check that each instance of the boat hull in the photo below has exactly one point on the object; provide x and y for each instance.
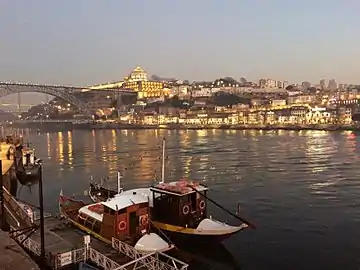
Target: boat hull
(29, 175)
(100, 194)
(179, 237)
(185, 235)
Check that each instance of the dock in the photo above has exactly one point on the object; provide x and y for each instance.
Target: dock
(66, 245)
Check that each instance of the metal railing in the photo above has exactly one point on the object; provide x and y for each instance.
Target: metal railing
(15, 208)
(26, 242)
(153, 260)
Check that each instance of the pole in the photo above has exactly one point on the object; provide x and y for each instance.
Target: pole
(163, 162)
(42, 230)
(2, 197)
(19, 104)
(119, 189)
(251, 225)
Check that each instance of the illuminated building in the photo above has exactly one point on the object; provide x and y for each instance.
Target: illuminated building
(138, 81)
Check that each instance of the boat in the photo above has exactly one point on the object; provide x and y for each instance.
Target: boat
(28, 169)
(98, 193)
(124, 218)
(179, 209)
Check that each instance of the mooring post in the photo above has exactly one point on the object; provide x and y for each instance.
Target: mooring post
(3, 221)
(41, 204)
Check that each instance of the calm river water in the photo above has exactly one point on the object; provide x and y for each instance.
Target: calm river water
(300, 188)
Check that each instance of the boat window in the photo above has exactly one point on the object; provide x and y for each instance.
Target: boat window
(97, 227)
(122, 211)
(89, 222)
(81, 220)
(112, 212)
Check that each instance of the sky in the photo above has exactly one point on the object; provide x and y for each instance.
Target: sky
(87, 42)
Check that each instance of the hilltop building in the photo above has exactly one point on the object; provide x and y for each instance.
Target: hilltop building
(138, 81)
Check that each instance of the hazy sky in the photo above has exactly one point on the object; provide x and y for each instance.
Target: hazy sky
(81, 42)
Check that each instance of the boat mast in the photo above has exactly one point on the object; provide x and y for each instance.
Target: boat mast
(163, 162)
(119, 182)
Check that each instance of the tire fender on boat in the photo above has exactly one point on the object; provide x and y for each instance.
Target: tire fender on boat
(122, 225)
(144, 220)
(186, 209)
(202, 205)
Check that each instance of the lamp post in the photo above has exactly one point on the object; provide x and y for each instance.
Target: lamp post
(41, 204)
(2, 198)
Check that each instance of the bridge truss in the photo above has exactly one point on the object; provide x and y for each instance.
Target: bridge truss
(64, 92)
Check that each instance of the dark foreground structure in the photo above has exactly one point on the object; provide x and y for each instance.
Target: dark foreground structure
(13, 256)
(54, 244)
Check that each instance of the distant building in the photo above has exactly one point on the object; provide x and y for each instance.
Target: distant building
(270, 83)
(138, 81)
(332, 85)
(322, 84)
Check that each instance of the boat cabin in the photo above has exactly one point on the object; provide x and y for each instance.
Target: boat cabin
(179, 203)
(125, 217)
(28, 157)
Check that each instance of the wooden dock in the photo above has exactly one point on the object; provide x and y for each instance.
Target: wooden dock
(66, 245)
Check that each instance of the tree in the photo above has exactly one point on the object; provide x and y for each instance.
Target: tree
(176, 102)
(227, 99)
(356, 117)
(289, 87)
(230, 79)
(243, 80)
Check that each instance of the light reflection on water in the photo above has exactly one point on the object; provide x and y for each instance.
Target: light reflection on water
(302, 188)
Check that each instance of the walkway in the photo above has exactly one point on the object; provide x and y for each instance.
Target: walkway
(13, 256)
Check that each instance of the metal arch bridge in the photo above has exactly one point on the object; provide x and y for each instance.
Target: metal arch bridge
(64, 92)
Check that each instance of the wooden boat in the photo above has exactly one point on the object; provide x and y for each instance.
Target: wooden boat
(98, 193)
(179, 209)
(124, 218)
(28, 169)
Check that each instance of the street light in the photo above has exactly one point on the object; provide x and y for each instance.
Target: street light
(42, 227)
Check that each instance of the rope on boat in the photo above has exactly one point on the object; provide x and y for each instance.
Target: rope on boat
(163, 234)
(251, 225)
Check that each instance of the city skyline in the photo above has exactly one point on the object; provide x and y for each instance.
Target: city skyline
(84, 43)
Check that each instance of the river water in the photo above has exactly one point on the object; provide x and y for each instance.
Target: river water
(301, 189)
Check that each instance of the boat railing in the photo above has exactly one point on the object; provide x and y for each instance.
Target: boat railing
(16, 208)
(157, 260)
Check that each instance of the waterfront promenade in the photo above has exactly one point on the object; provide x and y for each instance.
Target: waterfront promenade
(69, 125)
(13, 256)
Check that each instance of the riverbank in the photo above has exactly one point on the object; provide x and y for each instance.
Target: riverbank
(324, 127)
(48, 127)
(13, 256)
